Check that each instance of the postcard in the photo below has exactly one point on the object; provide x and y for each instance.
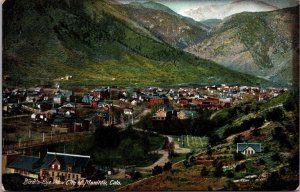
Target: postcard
(128, 95)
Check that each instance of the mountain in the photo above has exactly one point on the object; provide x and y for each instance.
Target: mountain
(221, 9)
(261, 44)
(95, 42)
(176, 30)
(211, 23)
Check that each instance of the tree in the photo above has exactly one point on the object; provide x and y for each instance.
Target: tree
(230, 186)
(237, 139)
(204, 171)
(167, 166)
(240, 167)
(157, 170)
(229, 174)
(107, 137)
(238, 156)
(131, 151)
(209, 151)
(218, 172)
(193, 160)
(275, 114)
(276, 157)
(274, 182)
(137, 175)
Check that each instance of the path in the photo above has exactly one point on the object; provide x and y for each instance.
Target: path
(165, 155)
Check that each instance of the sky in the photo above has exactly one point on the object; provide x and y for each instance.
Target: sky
(219, 9)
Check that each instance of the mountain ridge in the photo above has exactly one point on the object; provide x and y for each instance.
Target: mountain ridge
(256, 43)
(97, 44)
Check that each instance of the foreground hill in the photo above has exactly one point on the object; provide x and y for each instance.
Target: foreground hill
(96, 43)
(273, 124)
(261, 44)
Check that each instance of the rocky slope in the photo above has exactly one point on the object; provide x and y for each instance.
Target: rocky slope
(261, 44)
(176, 30)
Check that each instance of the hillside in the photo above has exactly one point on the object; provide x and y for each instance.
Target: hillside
(176, 30)
(273, 124)
(260, 44)
(96, 43)
(211, 23)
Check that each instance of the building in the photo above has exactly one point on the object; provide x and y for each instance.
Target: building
(156, 100)
(63, 96)
(25, 165)
(187, 114)
(248, 148)
(101, 93)
(58, 167)
(164, 113)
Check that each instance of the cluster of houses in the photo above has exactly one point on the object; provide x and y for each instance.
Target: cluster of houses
(168, 112)
(57, 107)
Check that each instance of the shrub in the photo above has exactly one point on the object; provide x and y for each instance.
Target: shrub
(238, 156)
(204, 172)
(230, 186)
(275, 114)
(137, 175)
(167, 166)
(229, 174)
(157, 170)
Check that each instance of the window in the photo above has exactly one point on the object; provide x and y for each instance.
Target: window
(52, 174)
(52, 166)
(58, 166)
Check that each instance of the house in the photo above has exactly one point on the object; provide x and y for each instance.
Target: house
(197, 101)
(187, 114)
(58, 167)
(183, 102)
(248, 148)
(128, 111)
(101, 93)
(62, 96)
(87, 99)
(63, 125)
(164, 113)
(24, 165)
(34, 94)
(156, 100)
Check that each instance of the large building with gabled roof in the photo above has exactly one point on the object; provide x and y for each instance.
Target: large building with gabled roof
(59, 167)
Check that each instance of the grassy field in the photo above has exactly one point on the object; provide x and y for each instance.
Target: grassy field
(192, 142)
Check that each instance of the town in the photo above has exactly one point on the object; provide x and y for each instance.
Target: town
(42, 116)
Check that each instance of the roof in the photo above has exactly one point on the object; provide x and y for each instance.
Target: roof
(27, 163)
(189, 114)
(242, 146)
(87, 99)
(100, 89)
(76, 161)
